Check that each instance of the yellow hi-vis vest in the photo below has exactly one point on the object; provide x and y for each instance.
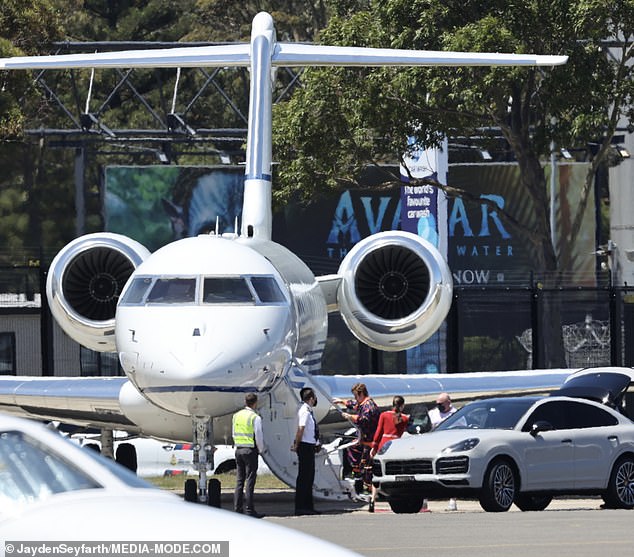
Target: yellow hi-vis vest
(243, 428)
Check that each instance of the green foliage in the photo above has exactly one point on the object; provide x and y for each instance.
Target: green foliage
(343, 119)
(225, 20)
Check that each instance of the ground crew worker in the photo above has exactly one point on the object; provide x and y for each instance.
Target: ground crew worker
(249, 442)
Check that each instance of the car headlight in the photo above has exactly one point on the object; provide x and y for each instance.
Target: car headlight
(384, 448)
(465, 445)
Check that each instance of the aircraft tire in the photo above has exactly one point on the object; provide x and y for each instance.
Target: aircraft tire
(126, 456)
(213, 493)
(191, 491)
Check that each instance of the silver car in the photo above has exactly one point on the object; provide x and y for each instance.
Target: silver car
(521, 450)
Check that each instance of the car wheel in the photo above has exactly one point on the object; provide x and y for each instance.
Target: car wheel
(191, 491)
(499, 488)
(404, 505)
(620, 493)
(527, 502)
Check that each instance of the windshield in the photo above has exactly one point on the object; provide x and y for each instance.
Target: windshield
(243, 290)
(227, 290)
(173, 291)
(497, 413)
(31, 471)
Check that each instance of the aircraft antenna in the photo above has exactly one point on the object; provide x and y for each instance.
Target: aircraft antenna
(217, 224)
(92, 78)
(178, 78)
(235, 226)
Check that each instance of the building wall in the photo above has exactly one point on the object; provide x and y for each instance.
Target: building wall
(622, 215)
(66, 354)
(28, 353)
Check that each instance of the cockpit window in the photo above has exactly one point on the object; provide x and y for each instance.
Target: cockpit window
(227, 290)
(137, 290)
(173, 291)
(267, 290)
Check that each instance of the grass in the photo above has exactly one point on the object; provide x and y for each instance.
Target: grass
(227, 481)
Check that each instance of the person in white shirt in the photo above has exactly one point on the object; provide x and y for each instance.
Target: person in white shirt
(442, 411)
(437, 415)
(306, 444)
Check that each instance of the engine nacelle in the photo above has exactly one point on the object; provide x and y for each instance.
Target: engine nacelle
(395, 291)
(84, 283)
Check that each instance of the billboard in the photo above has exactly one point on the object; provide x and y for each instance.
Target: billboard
(156, 204)
(484, 249)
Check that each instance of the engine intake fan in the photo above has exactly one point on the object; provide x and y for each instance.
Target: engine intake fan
(395, 290)
(392, 282)
(84, 283)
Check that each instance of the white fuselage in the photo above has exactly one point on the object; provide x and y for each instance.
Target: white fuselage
(204, 320)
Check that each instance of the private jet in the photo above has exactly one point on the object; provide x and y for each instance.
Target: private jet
(206, 319)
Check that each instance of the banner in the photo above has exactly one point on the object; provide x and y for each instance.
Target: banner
(424, 213)
(485, 250)
(158, 204)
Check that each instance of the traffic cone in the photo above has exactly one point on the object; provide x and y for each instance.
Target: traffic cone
(425, 508)
(452, 506)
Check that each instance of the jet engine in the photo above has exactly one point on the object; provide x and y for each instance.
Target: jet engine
(395, 290)
(84, 283)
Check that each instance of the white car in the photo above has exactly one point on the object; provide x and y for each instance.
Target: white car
(153, 458)
(521, 450)
(53, 490)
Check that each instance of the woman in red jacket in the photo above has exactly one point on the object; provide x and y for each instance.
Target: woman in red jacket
(392, 424)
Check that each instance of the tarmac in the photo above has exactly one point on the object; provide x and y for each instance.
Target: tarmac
(569, 527)
(280, 503)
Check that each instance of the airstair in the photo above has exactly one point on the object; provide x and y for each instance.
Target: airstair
(279, 424)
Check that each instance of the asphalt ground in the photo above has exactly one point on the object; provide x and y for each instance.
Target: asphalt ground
(574, 527)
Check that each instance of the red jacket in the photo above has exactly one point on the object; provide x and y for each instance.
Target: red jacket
(388, 429)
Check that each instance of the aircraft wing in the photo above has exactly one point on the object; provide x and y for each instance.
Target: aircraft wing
(293, 54)
(463, 387)
(84, 401)
(285, 54)
(96, 401)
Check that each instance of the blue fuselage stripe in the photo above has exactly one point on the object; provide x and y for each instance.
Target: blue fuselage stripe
(203, 389)
(266, 177)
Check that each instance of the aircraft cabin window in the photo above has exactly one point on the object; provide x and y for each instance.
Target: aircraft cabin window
(137, 290)
(173, 291)
(267, 290)
(227, 291)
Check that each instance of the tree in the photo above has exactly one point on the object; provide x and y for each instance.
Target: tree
(224, 20)
(24, 27)
(343, 118)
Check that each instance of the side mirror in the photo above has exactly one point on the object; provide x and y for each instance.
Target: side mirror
(540, 426)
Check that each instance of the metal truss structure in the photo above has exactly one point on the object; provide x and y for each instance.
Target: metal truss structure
(163, 130)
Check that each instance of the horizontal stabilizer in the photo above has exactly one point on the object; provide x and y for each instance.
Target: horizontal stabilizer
(185, 57)
(291, 54)
(284, 54)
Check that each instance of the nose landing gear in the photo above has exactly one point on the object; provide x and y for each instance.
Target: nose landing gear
(203, 491)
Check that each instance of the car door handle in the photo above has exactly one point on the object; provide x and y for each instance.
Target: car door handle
(567, 441)
(613, 439)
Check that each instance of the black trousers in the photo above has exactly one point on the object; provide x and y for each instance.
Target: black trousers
(246, 472)
(305, 477)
